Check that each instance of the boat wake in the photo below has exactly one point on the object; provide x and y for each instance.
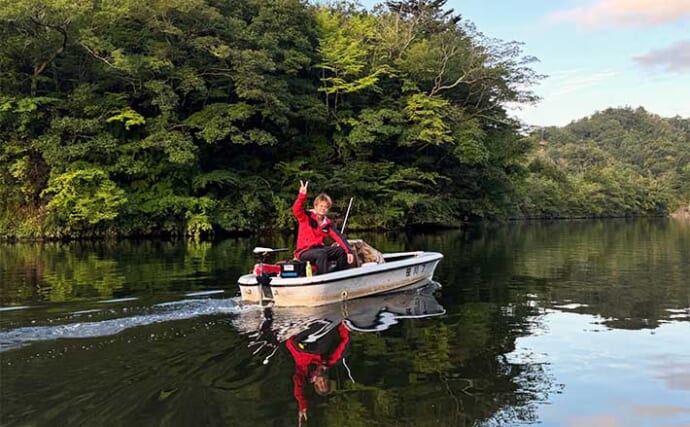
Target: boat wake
(159, 313)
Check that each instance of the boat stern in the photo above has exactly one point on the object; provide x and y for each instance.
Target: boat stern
(250, 289)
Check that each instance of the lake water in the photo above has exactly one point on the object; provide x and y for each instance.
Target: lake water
(583, 323)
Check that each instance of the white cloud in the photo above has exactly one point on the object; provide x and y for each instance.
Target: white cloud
(675, 374)
(575, 81)
(626, 13)
(567, 95)
(674, 58)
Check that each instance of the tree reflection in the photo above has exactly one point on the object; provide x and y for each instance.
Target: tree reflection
(450, 371)
(64, 272)
(460, 368)
(631, 273)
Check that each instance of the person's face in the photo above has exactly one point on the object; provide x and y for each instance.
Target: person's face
(321, 384)
(321, 208)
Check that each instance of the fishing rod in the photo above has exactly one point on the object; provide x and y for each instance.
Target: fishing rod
(347, 214)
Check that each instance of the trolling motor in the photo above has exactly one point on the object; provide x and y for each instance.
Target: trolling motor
(263, 275)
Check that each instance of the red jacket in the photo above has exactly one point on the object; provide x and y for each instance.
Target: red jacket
(310, 232)
(303, 360)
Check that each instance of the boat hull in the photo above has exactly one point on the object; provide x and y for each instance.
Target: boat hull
(401, 271)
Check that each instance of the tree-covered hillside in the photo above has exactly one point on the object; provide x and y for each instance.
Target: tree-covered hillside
(618, 162)
(132, 117)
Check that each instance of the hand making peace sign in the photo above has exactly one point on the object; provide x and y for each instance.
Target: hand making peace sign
(303, 186)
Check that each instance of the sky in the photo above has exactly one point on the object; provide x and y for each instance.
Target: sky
(596, 53)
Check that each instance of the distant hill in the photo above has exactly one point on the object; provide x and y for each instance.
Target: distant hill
(617, 162)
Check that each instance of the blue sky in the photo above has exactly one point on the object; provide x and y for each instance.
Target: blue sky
(597, 53)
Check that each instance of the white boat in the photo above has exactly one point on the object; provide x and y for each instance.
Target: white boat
(400, 270)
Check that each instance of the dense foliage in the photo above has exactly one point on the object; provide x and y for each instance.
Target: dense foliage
(130, 117)
(618, 162)
(126, 117)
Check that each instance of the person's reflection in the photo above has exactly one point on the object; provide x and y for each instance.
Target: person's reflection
(315, 350)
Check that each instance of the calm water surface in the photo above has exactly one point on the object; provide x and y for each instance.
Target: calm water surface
(563, 324)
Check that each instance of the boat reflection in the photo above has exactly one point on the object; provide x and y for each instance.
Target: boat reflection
(317, 338)
(274, 325)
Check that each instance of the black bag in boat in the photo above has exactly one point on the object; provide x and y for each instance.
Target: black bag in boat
(293, 268)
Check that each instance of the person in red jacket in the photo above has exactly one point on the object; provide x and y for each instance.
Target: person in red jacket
(314, 226)
(313, 359)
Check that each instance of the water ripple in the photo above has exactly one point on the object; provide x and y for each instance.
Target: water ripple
(178, 310)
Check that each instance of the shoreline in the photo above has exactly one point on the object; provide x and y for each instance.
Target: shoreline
(680, 214)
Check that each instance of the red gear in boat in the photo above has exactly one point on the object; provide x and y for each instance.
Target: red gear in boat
(305, 360)
(310, 232)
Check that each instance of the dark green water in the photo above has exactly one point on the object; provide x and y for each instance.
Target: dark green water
(563, 324)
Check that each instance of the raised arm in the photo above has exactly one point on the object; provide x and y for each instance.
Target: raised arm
(298, 206)
(299, 378)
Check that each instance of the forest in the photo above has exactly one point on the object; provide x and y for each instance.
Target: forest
(616, 163)
(199, 117)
